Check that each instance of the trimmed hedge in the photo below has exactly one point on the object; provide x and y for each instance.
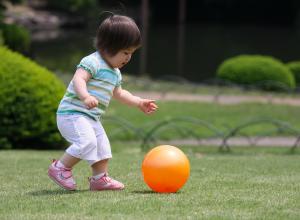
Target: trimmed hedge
(263, 71)
(29, 97)
(294, 67)
(16, 37)
(1, 38)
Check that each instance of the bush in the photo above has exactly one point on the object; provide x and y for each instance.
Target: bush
(29, 97)
(294, 67)
(264, 71)
(16, 37)
(1, 39)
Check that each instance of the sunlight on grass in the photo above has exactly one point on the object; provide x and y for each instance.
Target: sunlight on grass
(256, 183)
(211, 87)
(222, 117)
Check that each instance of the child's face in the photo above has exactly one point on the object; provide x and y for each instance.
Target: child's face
(121, 58)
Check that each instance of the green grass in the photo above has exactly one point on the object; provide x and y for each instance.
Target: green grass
(133, 83)
(223, 117)
(249, 183)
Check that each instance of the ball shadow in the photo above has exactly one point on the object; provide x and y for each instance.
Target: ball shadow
(143, 192)
(152, 192)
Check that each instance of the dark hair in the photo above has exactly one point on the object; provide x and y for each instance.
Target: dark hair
(117, 32)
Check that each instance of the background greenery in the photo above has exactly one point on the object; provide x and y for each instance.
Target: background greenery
(16, 37)
(257, 69)
(222, 117)
(294, 67)
(29, 97)
(248, 183)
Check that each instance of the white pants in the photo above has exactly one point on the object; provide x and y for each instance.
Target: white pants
(87, 137)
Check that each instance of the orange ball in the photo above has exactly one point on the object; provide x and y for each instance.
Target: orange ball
(165, 169)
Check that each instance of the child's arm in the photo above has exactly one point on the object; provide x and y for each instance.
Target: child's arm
(145, 105)
(79, 81)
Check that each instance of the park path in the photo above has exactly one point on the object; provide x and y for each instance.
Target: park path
(220, 99)
(277, 141)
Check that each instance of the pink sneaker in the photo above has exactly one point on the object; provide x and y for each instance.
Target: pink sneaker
(105, 183)
(61, 176)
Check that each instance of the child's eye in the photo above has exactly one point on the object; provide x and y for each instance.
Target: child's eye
(126, 53)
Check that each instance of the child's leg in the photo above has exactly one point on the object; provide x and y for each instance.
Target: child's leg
(100, 167)
(68, 161)
(79, 131)
(100, 179)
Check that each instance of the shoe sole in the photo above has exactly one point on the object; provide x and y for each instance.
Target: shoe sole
(55, 181)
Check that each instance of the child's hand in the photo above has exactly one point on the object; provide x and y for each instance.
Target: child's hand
(147, 106)
(90, 102)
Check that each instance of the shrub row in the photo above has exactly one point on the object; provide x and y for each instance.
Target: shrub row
(267, 72)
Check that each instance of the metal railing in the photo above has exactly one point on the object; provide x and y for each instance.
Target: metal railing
(184, 127)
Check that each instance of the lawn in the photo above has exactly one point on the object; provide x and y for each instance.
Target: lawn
(222, 117)
(211, 87)
(248, 183)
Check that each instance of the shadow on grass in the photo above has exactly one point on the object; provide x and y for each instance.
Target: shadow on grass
(47, 192)
(151, 192)
(143, 192)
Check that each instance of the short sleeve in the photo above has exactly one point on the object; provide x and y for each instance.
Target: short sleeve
(119, 82)
(89, 64)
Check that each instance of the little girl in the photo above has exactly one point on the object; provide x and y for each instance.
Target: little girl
(96, 80)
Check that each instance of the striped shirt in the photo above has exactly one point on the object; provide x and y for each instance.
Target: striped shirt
(101, 85)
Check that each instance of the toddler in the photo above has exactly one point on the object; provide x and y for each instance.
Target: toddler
(96, 80)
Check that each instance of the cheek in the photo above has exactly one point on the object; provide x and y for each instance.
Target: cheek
(120, 58)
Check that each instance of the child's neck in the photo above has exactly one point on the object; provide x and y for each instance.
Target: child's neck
(104, 57)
